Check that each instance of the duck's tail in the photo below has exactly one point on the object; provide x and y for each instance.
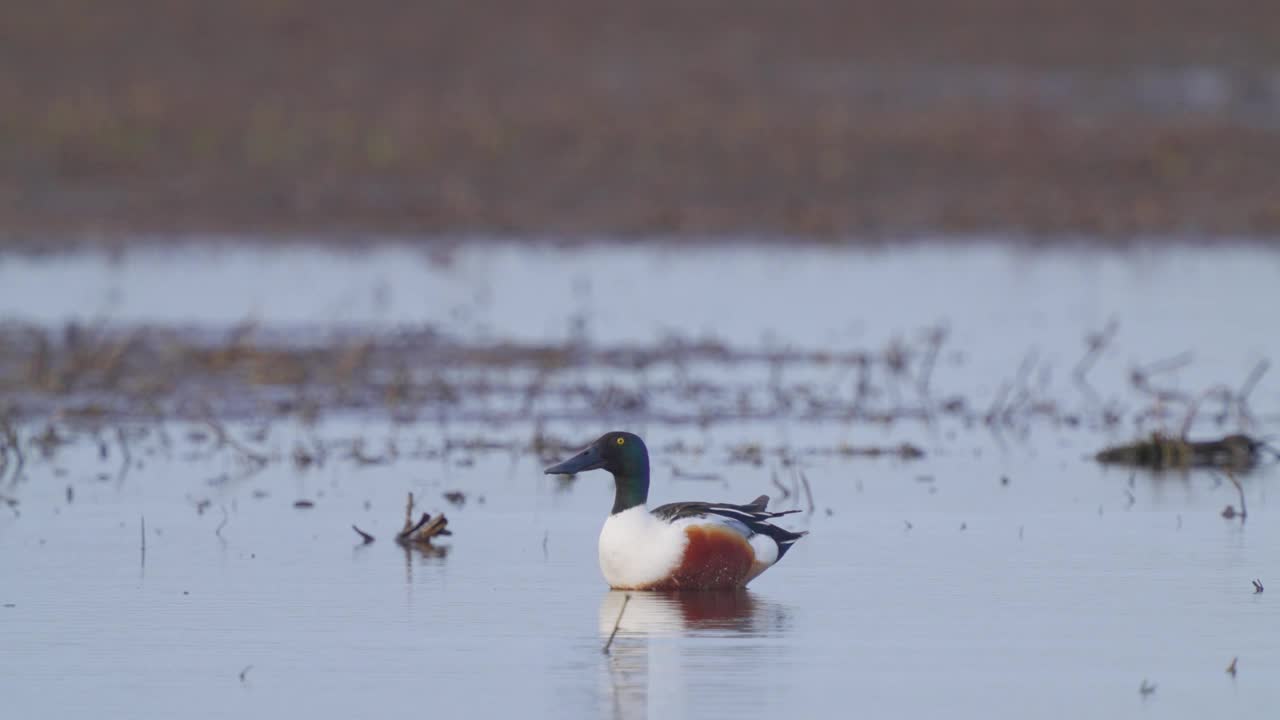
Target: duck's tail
(760, 524)
(784, 538)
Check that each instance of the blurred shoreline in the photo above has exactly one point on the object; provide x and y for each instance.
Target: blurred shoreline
(848, 122)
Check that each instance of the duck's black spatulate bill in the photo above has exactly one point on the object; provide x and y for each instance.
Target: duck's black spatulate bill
(589, 459)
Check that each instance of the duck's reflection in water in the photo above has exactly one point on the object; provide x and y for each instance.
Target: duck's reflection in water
(674, 647)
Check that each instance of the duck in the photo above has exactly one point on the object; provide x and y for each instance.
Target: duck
(690, 545)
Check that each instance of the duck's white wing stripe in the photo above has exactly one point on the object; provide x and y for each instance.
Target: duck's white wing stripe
(729, 512)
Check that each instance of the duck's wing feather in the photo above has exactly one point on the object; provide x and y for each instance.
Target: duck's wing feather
(753, 515)
(754, 511)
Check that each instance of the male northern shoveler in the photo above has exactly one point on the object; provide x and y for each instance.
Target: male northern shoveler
(681, 546)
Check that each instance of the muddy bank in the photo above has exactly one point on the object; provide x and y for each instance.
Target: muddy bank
(854, 121)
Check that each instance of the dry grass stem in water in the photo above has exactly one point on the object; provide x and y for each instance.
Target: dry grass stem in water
(616, 624)
(365, 537)
(1230, 512)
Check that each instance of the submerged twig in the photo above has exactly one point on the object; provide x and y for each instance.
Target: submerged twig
(143, 533)
(126, 456)
(786, 492)
(1229, 512)
(12, 442)
(256, 460)
(1193, 407)
(365, 537)
(1242, 395)
(1095, 344)
(934, 339)
(808, 492)
(616, 624)
(1140, 376)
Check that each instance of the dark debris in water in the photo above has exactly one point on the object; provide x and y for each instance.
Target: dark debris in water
(424, 530)
(1165, 452)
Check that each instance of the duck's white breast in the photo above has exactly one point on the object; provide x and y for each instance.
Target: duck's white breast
(637, 549)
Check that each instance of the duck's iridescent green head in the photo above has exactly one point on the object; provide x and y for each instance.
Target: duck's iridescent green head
(624, 455)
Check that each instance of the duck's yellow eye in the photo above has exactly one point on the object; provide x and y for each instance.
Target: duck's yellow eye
(621, 441)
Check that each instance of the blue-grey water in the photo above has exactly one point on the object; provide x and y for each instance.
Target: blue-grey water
(994, 577)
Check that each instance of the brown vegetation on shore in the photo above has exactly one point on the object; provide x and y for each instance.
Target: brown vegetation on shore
(820, 118)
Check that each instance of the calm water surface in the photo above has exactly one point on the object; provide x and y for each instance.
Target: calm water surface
(926, 588)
